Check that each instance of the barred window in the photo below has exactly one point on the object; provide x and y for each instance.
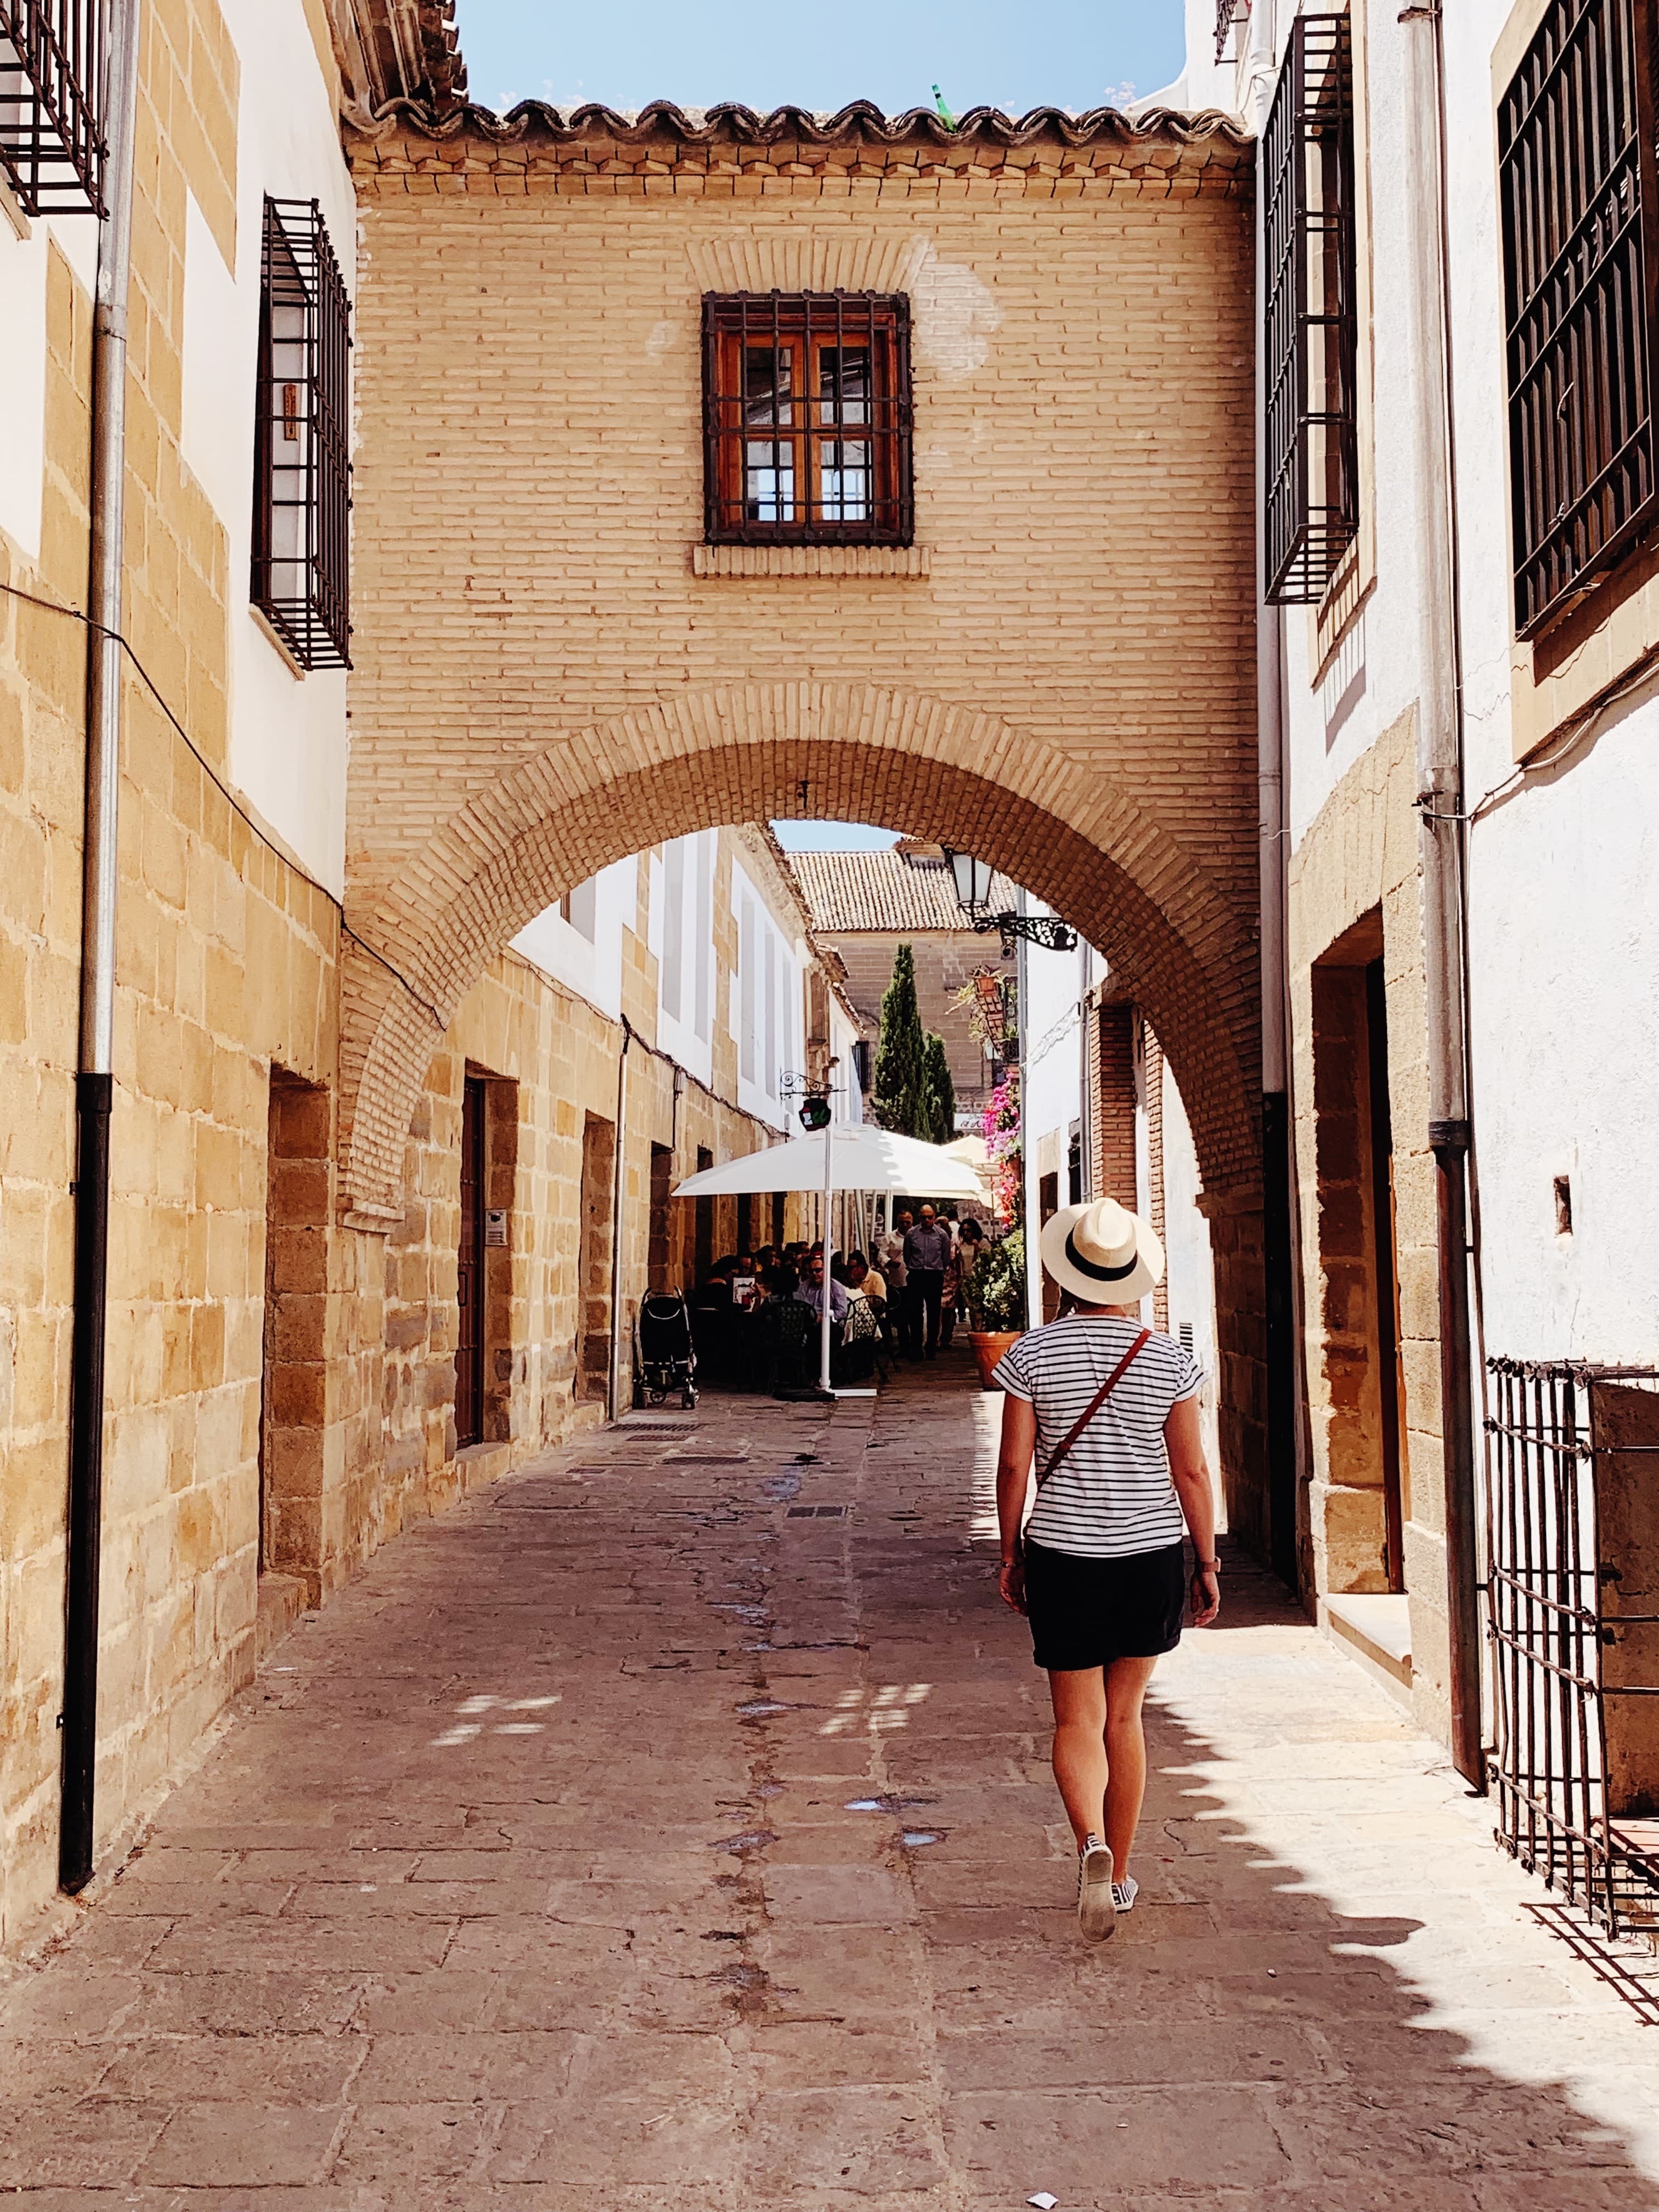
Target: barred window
(51, 103)
(1312, 491)
(301, 459)
(1228, 14)
(807, 419)
(1581, 261)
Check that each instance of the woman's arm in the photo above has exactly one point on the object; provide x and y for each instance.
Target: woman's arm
(1184, 1439)
(1014, 1473)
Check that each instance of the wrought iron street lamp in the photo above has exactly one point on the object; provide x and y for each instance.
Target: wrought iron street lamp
(974, 880)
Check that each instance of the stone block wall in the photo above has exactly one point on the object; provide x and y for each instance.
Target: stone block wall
(225, 964)
(42, 704)
(1358, 854)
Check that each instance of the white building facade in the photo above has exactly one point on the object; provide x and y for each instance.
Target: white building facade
(1459, 678)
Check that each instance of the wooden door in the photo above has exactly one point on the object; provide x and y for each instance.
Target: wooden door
(470, 1275)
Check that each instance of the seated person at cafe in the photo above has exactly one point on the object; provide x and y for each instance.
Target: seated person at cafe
(811, 1291)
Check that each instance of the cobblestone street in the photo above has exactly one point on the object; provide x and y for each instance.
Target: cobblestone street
(671, 1826)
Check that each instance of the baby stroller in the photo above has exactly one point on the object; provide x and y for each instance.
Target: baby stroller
(665, 1357)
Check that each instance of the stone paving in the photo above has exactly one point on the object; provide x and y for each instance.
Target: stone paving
(671, 1826)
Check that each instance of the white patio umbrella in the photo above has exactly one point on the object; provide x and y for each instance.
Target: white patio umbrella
(848, 1155)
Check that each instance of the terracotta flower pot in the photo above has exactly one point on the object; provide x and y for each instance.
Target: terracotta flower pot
(989, 1345)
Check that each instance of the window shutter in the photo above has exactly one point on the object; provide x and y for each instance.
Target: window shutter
(1312, 493)
(1575, 183)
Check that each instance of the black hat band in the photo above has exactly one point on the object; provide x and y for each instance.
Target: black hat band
(1099, 1274)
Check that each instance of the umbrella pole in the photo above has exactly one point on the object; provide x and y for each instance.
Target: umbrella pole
(829, 1254)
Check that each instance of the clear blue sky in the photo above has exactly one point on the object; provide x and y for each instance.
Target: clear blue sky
(1066, 53)
(833, 837)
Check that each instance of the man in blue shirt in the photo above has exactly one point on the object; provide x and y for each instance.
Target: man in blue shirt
(810, 1292)
(926, 1257)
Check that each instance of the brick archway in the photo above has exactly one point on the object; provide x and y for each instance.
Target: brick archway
(841, 752)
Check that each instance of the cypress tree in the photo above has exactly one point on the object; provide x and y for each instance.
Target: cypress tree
(902, 1051)
(941, 1094)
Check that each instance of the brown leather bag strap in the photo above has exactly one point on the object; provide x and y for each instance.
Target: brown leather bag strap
(1095, 1404)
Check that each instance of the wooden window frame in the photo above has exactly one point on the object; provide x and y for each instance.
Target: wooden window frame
(805, 327)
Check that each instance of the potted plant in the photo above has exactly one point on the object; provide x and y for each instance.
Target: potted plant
(996, 1302)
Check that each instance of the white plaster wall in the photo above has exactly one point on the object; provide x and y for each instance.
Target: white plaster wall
(1564, 869)
(1564, 880)
(847, 1104)
(23, 263)
(1051, 1041)
(1189, 1274)
(758, 1094)
(287, 733)
(681, 1034)
(591, 967)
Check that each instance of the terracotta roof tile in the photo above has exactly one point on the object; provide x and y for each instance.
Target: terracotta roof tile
(860, 123)
(884, 891)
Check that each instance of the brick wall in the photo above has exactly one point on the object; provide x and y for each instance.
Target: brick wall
(1072, 709)
(1114, 1051)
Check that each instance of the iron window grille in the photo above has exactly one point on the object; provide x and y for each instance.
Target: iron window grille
(1577, 192)
(52, 71)
(1227, 13)
(1573, 1614)
(807, 419)
(301, 462)
(1312, 446)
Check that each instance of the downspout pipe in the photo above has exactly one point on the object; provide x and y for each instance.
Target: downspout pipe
(1029, 1206)
(1277, 1183)
(618, 1194)
(94, 1079)
(1440, 848)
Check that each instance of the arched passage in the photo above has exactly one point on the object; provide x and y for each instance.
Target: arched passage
(1184, 948)
(847, 752)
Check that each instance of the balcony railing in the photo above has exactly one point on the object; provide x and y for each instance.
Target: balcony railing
(1311, 329)
(302, 439)
(51, 103)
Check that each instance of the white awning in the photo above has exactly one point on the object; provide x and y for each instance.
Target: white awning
(860, 1158)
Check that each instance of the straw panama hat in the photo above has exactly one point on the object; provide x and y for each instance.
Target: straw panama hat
(1102, 1253)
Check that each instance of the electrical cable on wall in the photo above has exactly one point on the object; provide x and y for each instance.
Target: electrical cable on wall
(98, 629)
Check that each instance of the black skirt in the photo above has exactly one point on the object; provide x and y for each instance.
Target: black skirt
(1087, 1612)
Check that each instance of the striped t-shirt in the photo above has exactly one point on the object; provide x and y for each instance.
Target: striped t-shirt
(1111, 1495)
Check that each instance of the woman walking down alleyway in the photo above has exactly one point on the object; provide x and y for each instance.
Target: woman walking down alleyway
(1110, 1411)
(413, 1936)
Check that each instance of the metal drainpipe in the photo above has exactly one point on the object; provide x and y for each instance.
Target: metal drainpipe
(1031, 1203)
(1283, 1468)
(618, 1192)
(93, 1081)
(1086, 1007)
(1440, 841)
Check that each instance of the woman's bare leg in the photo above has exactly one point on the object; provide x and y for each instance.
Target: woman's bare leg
(1126, 1681)
(1079, 1701)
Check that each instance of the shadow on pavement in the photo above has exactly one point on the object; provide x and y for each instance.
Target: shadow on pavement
(634, 1837)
